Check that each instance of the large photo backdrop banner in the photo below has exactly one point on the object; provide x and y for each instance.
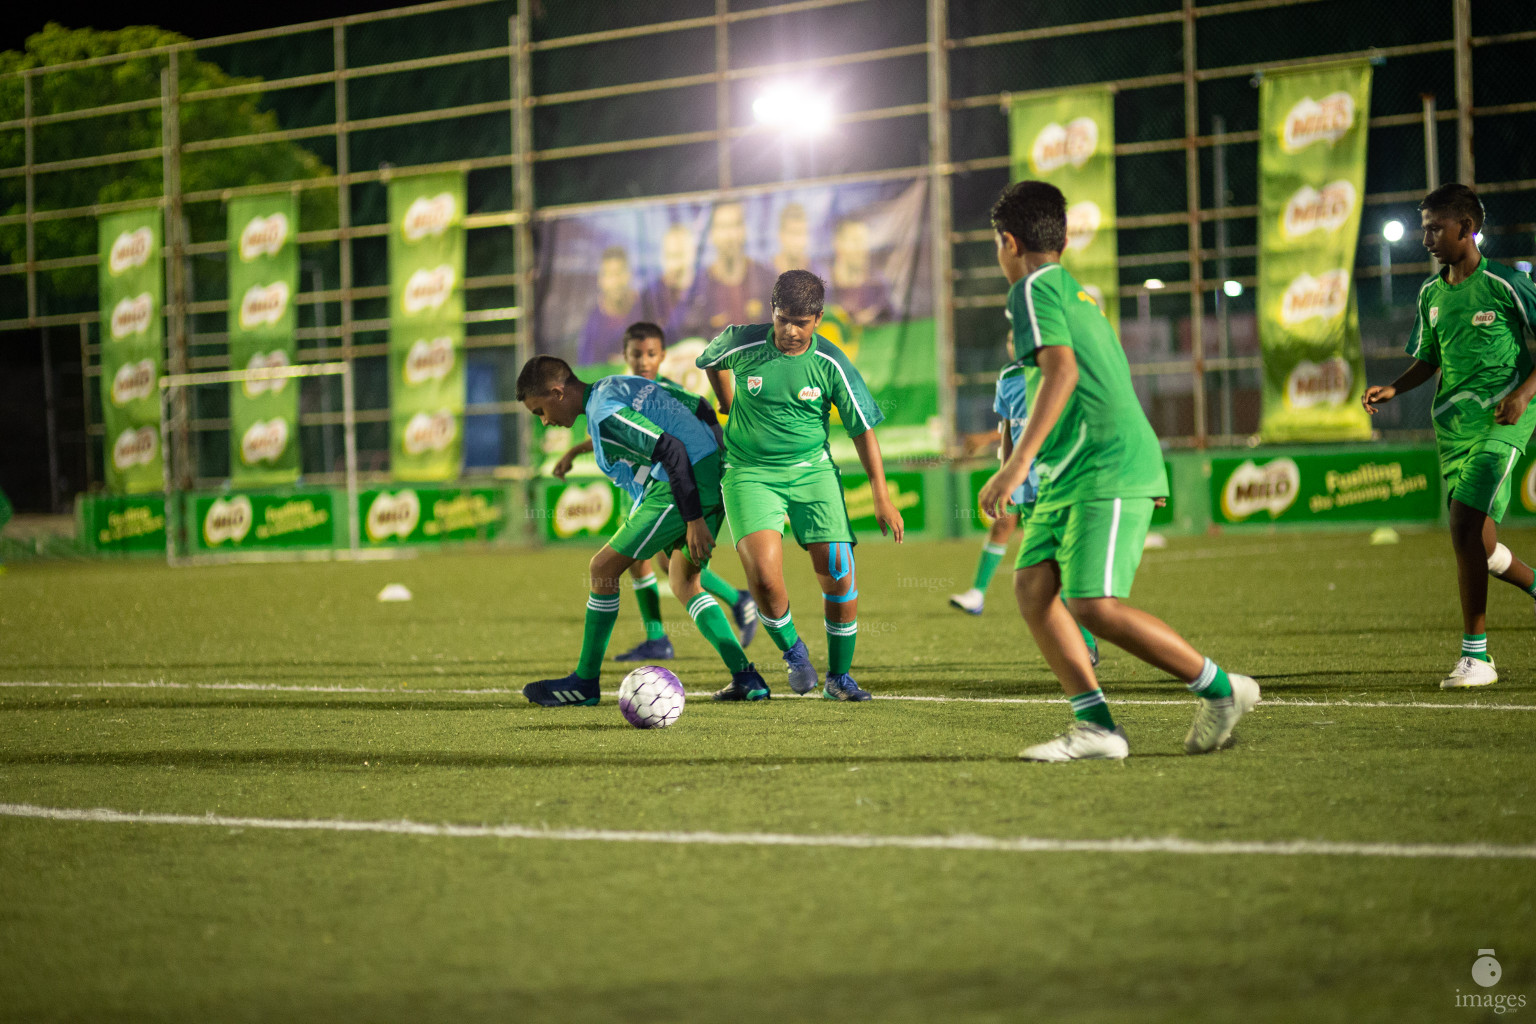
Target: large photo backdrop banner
(1067, 138)
(131, 284)
(263, 285)
(695, 268)
(1312, 134)
(426, 326)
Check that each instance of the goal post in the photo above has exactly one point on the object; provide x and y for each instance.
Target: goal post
(175, 555)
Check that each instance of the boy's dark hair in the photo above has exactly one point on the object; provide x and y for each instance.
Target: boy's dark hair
(1034, 213)
(541, 373)
(1458, 200)
(799, 293)
(642, 329)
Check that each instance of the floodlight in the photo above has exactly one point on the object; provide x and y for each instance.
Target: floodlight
(793, 109)
(1392, 230)
(1232, 288)
(1153, 284)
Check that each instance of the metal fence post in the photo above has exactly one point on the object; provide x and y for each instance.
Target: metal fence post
(522, 202)
(941, 216)
(175, 266)
(722, 95)
(343, 217)
(1461, 19)
(1192, 195)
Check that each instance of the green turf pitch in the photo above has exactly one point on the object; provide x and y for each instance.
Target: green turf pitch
(288, 693)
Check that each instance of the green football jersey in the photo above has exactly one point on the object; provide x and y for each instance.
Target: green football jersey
(783, 403)
(1475, 332)
(1102, 446)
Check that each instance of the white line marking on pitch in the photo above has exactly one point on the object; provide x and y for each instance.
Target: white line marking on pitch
(1267, 702)
(1018, 844)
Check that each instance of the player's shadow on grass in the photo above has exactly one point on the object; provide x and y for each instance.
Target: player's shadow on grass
(119, 704)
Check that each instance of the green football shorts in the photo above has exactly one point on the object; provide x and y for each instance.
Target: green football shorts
(1483, 478)
(759, 497)
(654, 526)
(1097, 544)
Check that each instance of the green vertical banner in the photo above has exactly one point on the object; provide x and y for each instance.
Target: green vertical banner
(1068, 139)
(1313, 127)
(426, 326)
(131, 282)
(263, 285)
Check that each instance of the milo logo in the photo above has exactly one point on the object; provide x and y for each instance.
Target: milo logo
(264, 441)
(263, 361)
(1056, 146)
(263, 236)
(428, 289)
(809, 393)
(1252, 488)
(227, 521)
(429, 432)
(581, 509)
(1484, 318)
(130, 249)
(1309, 210)
(428, 360)
(133, 381)
(1528, 488)
(263, 305)
(1325, 383)
(428, 216)
(1326, 120)
(135, 448)
(393, 515)
(1325, 295)
(131, 316)
(1083, 222)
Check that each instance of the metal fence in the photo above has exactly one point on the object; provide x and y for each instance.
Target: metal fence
(586, 106)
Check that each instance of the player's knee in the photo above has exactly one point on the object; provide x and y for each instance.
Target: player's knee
(1500, 561)
(1095, 614)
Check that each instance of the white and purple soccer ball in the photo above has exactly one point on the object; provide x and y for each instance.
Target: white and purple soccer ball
(650, 697)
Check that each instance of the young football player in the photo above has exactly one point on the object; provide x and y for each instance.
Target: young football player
(645, 346)
(777, 384)
(1470, 326)
(1100, 469)
(657, 451)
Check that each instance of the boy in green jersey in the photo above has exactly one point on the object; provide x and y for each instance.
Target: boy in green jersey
(1101, 470)
(1470, 325)
(778, 384)
(645, 346)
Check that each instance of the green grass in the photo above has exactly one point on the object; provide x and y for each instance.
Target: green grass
(159, 922)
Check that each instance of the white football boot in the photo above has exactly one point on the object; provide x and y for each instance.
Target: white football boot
(1215, 719)
(1470, 672)
(1084, 741)
(973, 601)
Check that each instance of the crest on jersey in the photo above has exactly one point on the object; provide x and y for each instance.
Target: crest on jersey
(1487, 316)
(754, 385)
(1434, 315)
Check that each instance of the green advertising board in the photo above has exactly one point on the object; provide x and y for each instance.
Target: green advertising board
(1067, 138)
(976, 521)
(1313, 128)
(245, 522)
(263, 288)
(1362, 486)
(123, 524)
(131, 286)
(908, 491)
(426, 326)
(575, 508)
(424, 515)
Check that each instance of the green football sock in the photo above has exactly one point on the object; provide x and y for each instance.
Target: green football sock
(711, 620)
(1212, 682)
(991, 555)
(649, 598)
(1090, 707)
(1530, 589)
(602, 613)
(1088, 639)
(1474, 646)
(716, 584)
(782, 630)
(841, 637)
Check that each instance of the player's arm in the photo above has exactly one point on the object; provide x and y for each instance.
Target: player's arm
(568, 460)
(706, 414)
(1513, 405)
(860, 415)
(638, 435)
(886, 513)
(723, 383)
(1417, 373)
(1005, 427)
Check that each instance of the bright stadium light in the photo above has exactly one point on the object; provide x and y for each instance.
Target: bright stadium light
(1232, 288)
(1392, 231)
(1153, 284)
(1479, 238)
(793, 109)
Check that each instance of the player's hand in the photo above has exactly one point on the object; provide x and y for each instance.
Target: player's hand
(994, 496)
(700, 542)
(889, 519)
(564, 465)
(1378, 394)
(1159, 502)
(1511, 408)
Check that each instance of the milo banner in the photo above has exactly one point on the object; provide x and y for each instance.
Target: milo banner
(417, 515)
(263, 284)
(243, 522)
(1333, 488)
(426, 326)
(578, 508)
(697, 267)
(131, 283)
(1068, 139)
(1311, 186)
